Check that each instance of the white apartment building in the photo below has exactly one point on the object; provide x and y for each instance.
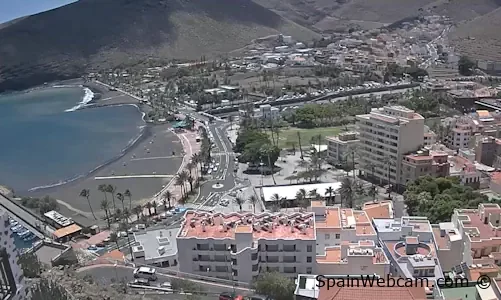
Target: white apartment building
(12, 285)
(240, 246)
(386, 135)
(346, 242)
(338, 146)
(267, 112)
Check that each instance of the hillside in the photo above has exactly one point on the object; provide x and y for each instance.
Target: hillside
(92, 34)
(481, 37)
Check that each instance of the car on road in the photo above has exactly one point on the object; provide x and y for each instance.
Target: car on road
(229, 296)
(140, 281)
(166, 285)
(145, 273)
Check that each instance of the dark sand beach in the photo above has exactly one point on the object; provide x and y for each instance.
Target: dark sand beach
(158, 151)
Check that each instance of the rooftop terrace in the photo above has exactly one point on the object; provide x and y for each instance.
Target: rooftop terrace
(264, 226)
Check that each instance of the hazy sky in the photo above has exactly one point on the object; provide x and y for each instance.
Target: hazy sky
(11, 9)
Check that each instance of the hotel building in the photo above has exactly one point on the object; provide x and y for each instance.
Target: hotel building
(240, 246)
(386, 135)
(12, 285)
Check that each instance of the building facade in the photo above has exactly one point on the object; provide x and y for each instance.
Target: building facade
(422, 163)
(239, 246)
(12, 286)
(338, 147)
(386, 135)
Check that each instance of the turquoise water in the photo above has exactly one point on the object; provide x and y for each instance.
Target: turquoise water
(42, 145)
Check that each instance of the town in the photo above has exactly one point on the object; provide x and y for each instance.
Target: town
(369, 153)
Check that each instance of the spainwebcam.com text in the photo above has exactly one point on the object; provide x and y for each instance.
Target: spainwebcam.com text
(377, 281)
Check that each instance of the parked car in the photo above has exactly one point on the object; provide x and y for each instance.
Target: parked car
(140, 281)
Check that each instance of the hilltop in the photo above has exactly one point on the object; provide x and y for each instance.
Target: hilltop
(94, 34)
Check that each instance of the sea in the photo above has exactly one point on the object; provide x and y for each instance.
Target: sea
(47, 140)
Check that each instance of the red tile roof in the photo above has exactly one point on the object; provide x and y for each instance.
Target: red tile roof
(369, 293)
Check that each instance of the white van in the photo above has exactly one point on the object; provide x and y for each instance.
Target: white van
(146, 273)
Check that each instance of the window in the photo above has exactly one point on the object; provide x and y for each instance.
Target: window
(338, 236)
(308, 259)
(309, 248)
(327, 236)
(309, 270)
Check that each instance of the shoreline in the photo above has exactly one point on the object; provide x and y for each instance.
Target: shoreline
(97, 91)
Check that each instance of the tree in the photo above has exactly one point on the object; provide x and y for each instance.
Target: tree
(103, 189)
(253, 200)
(114, 239)
(121, 198)
(105, 205)
(329, 191)
(239, 201)
(437, 198)
(48, 290)
(167, 196)
(149, 206)
(347, 191)
(275, 286)
(112, 190)
(29, 263)
(85, 193)
(466, 66)
(138, 210)
(128, 194)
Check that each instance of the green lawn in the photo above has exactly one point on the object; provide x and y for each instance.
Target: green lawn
(289, 135)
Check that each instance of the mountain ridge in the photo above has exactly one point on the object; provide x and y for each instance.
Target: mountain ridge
(68, 41)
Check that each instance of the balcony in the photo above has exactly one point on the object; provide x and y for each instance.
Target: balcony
(8, 286)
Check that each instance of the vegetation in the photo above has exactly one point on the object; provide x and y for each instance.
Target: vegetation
(43, 205)
(48, 290)
(394, 70)
(436, 198)
(275, 286)
(29, 263)
(256, 147)
(186, 286)
(466, 66)
(289, 137)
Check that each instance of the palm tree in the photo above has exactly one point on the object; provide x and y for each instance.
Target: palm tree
(86, 193)
(184, 176)
(148, 206)
(138, 210)
(111, 189)
(239, 201)
(301, 198)
(253, 200)
(167, 196)
(190, 181)
(154, 204)
(329, 191)
(126, 215)
(347, 192)
(114, 238)
(121, 198)
(313, 194)
(128, 194)
(180, 182)
(105, 205)
(102, 189)
(118, 214)
(275, 198)
(190, 166)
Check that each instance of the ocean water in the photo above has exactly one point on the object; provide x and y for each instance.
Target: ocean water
(44, 141)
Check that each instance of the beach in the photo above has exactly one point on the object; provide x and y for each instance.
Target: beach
(158, 151)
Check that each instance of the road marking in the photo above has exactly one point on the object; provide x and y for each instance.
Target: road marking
(132, 176)
(158, 157)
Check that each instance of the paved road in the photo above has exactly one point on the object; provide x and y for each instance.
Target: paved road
(332, 99)
(105, 274)
(21, 215)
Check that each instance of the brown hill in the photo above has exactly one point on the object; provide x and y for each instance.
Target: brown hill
(91, 34)
(480, 38)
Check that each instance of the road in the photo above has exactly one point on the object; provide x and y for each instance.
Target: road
(332, 99)
(105, 274)
(21, 215)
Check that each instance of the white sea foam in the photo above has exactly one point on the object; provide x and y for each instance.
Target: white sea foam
(87, 98)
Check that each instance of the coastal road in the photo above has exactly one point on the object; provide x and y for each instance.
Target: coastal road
(21, 215)
(105, 274)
